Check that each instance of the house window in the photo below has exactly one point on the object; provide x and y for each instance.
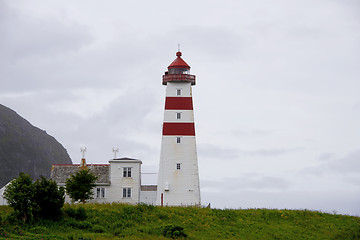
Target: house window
(178, 166)
(178, 92)
(178, 140)
(126, 172)
(126, 192)
(100, 192)
(178, 115)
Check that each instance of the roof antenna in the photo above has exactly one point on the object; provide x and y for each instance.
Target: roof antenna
(83, 161)
(83, 151)
(115, 150)
(178, 47)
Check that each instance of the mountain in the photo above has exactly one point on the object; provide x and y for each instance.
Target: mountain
(25, 148)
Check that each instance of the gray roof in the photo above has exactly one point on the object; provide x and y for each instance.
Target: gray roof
(125, 160)
(148, 187)
(61, 172)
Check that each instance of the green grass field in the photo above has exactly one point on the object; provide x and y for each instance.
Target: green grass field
(119, 221)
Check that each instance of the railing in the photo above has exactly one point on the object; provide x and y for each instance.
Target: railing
(178, 78)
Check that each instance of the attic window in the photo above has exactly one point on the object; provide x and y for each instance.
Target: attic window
(127, 172)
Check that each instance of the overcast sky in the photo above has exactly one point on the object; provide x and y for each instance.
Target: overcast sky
(277, 100)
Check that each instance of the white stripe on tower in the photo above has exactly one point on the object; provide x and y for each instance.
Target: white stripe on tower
(178, 182)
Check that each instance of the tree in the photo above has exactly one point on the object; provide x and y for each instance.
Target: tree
(19, 194)
(48, 199)
(80, 185)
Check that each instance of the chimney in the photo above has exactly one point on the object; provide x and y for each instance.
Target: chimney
(83, 164)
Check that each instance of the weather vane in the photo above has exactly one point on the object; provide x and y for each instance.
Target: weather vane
(115, 151)
(83, 150)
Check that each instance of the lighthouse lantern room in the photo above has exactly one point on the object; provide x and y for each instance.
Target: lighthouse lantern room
(178, 182)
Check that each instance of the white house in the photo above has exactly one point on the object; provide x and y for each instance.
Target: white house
(2, 199)
(118, 181)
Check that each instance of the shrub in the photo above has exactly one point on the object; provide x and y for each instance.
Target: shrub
(79, 224)
(39, 230)
(80, 185)
(19, 194)
(78, 238)
(145, 207)
(173, 231)
(48, 199)
(76, 213)
(97, 229)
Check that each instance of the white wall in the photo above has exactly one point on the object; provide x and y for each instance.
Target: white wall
(186, 116)
(148, 197)
(118, 182)
(172, 86)
(184, 187)
(2, 199)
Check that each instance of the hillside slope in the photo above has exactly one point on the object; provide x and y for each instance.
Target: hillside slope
(119, 221)
(25, 148)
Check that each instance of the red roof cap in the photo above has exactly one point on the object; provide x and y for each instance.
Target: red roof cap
(178, 62)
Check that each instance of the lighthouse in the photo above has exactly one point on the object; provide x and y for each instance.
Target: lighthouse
(178, 179)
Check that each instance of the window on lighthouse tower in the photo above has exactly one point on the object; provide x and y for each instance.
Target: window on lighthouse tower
(178, 92)
(179, 71)
(178, 115)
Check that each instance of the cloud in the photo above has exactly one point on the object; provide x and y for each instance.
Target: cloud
(249, 181)
(25, 36)
(268, 152)
(34, 50)
(217, 152)
(345, 166)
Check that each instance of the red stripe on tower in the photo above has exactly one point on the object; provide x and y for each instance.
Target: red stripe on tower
(178, 103)
(179, 129)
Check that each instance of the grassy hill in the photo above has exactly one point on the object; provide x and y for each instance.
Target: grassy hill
(119, 221)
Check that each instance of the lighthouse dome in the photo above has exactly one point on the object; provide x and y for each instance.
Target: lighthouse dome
(178, 71)
(179, 66)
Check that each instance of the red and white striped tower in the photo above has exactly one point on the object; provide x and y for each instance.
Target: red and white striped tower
(178, 182)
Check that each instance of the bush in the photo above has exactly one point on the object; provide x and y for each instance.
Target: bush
(76, 213)
(97, 229)
(48, 199)
(39, 230)
(79, 224)
(80, 185)
(41, 199)
(173, 231)
(78, 238)
(20, 194)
